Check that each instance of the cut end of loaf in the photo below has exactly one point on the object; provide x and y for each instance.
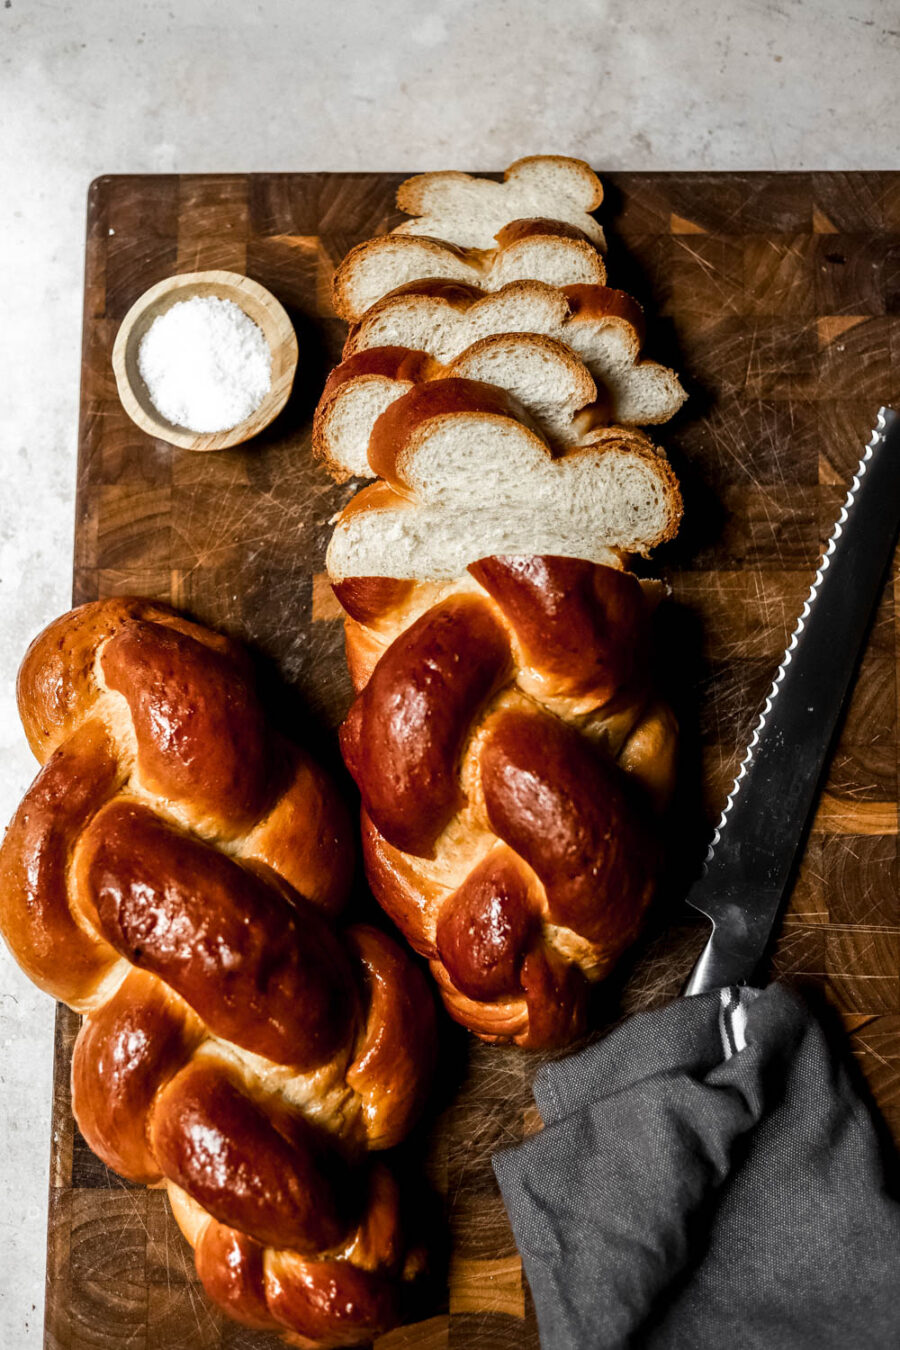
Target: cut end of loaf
(470, 211)
(605, 502)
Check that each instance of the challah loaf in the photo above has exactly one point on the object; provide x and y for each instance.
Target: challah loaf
(466, 472)
(509, 752)
(174, 873)
(506, 740)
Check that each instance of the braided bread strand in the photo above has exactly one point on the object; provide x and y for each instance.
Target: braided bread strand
(174, 873)
(509, 752)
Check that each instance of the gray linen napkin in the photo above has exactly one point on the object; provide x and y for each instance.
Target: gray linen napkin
(707, 1176)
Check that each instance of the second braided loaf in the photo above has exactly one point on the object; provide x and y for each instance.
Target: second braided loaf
(175, 873)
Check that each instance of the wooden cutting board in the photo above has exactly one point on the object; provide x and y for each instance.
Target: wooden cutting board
(778, 297)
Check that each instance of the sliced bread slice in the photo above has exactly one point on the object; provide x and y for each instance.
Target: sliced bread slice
(551, 251)
(605, 327)
(546, 377)
(467, 474)
(469, 211)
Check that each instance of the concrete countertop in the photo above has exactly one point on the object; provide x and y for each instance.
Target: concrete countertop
(95, 86)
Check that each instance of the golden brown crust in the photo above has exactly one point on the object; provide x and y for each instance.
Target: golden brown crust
(474, 325)
(562, 808)
(556, 999)
(405, 426)
(396, 370)
(124, 1052)
(570, 304)
(552, 783)
(366, 598)
(261, 967)
(237, 1045)
(457, 295)
(560, 313)
(363, 648)
(466, 321)
(501, 1022)
(499, 832)
(487, 927)
(650, 753)
(397, 451)
(397, 1038)
(304, 836)
(230, 1266)
(537, 227)
(399, 887)
(536, 871)
(408, 418)
(404, 735)
(379, 496)
(325, 1302)
(600, 303)
(37, 918)
(398, 363)
(582, 627)
(393, 369)
(198, 725)
(57, 682)
(252, 1167)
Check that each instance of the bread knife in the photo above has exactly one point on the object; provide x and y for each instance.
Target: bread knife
(750, 864)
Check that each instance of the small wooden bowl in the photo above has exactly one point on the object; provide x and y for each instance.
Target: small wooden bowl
(257, 303)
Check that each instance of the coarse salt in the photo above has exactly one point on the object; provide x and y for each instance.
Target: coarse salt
(206, 364)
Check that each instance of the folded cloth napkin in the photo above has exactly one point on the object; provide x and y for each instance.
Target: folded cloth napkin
(707, 1176)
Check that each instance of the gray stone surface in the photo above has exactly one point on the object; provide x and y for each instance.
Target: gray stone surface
(98, 86)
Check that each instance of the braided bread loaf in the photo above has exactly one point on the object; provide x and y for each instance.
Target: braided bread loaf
(509, 752)
(174, 873)
(506, 742)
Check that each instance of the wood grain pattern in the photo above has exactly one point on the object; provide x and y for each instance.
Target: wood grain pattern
(778, 298)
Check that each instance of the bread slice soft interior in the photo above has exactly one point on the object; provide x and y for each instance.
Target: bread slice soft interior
(545, 376)
(469, 211)
(471, 485)
(604, 327)
(490, 437)
(373, 269)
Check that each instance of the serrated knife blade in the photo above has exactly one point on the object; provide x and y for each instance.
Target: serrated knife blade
(751, 858)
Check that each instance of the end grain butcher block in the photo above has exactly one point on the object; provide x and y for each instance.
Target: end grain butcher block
(778, 298)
